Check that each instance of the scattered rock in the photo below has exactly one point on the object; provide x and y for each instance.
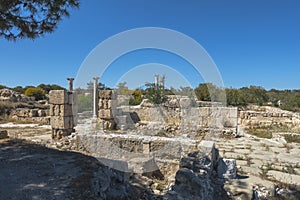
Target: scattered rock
(227, 168)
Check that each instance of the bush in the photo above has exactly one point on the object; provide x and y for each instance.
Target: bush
(36, 92)
(137, 98)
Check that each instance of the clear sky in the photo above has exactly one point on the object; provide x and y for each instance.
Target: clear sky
(252, 42)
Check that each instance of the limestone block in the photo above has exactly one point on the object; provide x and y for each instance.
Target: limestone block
(56, 110)
(42, 113)
(59, 122)
(58, 97)
(285, 177)
(33, 113)
(106, 94)
(51, 110)
(65, 110)
(101, 103)
(142, 165)
(227, 168)
(105, 114)
(110, 104)
(204, 111)
(3, 134)
(186, 102)
(146, 147)
(208, 148)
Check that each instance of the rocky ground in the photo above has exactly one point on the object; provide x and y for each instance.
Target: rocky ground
(31, 170)
(267, 165)
(32, 167)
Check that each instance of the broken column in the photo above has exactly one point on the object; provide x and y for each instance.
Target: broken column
(95, 102)
(162, 82)
(63, 112)
(107, 106)
(70, 83)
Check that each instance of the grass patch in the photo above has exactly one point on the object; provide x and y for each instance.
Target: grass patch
(292, 138)
(259, 132)
(267, 131)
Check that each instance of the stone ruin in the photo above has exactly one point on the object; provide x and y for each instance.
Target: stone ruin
(107, 106)
(178, 114)
(63, 105)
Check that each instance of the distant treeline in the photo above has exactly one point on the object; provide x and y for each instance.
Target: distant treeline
(38, 92)
(285, 99)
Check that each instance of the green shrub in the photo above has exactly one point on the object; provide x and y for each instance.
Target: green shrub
(36, 92)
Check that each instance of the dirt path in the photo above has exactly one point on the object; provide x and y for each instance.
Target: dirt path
(30, 171)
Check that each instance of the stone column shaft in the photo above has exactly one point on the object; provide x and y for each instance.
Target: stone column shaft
(70, 83)
(95, 106)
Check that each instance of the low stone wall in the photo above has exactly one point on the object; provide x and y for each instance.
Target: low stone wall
(256, 116)
(183, 115)
(40, 116)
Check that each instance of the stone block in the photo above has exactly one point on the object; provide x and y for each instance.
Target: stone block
(58, 97)
(227, 168)
(105, 114)
(186, 102)
(51, 110)
(33, 113)
(3, 134)
(56, 110)
(101, 104)
(146, 147)
(106, 94)
(42, 113)
(286, 178)
(59, 122)
(65, 110)
(208, 148)
(233, 112)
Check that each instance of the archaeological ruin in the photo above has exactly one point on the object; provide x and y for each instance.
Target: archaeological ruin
(185, 149)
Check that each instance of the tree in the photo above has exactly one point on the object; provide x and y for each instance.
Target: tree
(19, 89)
(36, 92)
(2, 87)
(48, 87)
(202, 92)
(32, 19)
(155, 94)
(235, 97)
(122, 89)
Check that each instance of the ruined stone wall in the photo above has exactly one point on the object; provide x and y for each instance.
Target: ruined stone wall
(179, 111)
(40, 116)
(184, 113)
(63, 105)
(260, 116)
(107, 106)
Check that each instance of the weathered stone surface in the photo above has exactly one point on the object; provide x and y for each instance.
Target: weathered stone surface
(227, 168)
(58, 97)
(106, 94)
(59, 122)
(105, 114)
(208, 148)
(194, 180)
(285, 177)
(3, 134)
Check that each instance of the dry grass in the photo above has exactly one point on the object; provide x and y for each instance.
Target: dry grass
(267, 131)
(292, 138)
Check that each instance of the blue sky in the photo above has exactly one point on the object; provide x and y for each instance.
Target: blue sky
(251, 42)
